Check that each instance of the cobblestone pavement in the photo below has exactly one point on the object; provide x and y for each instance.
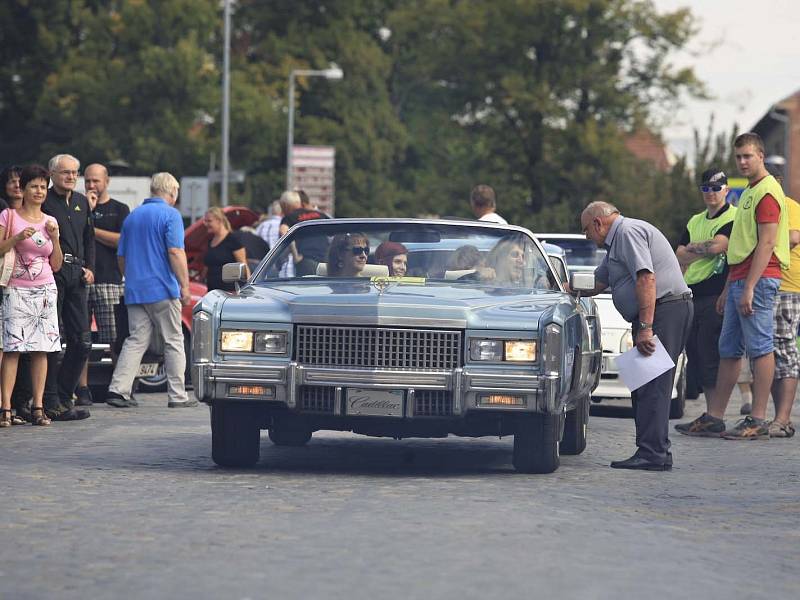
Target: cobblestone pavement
(129, 504)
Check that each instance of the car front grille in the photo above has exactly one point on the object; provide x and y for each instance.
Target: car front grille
(433, 403)
(377, 347)
(318, 399)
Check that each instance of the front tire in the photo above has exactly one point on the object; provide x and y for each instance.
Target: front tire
(235, 435)
(575, 426)
(536, 443)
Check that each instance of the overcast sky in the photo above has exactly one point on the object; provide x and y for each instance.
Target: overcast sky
(747, 52)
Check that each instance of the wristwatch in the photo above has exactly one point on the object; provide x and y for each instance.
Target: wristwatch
(643, 325)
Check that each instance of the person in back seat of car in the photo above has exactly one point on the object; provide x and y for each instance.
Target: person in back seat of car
(395, 256)
(347, 255)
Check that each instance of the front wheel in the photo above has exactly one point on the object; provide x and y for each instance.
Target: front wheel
(575, 426)
(235, 435)
(536, 443)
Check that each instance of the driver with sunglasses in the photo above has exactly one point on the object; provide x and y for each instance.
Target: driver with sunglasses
(701, 254)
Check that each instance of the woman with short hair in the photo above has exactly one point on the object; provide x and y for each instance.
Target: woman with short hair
(30, 323)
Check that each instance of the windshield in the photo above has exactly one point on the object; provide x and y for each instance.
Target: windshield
(410, 252)
(578, 252)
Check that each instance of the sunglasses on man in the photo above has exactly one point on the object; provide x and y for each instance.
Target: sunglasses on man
(710, 188)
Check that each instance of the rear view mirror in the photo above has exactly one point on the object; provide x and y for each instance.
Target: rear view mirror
(234, 272)
(581, 282)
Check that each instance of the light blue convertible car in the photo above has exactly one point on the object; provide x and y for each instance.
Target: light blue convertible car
(399, 328)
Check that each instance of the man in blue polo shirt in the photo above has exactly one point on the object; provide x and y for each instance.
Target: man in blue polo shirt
(152, 258)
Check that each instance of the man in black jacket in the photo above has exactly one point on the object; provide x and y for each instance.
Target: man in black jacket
(72, 211)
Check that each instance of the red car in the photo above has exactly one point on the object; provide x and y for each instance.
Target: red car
(152, 376)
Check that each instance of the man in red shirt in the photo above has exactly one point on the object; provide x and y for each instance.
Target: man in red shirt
(758, 249)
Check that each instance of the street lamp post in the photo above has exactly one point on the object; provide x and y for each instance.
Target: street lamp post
(334, 73)
(226, 104)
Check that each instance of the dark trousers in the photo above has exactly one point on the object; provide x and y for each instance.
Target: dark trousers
(702, 345)
(73, 316)
(651, 401)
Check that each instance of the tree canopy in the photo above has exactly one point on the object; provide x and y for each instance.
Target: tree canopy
(533, 97)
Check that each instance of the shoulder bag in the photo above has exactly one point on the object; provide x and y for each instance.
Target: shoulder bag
(10, 257)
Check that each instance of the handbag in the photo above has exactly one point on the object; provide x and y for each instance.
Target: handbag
(10, 257)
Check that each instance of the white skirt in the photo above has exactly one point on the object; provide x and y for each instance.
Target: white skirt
(30, 319)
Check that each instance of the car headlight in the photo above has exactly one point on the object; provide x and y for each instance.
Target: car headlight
(626, 342)
(485, 349)
(236, 341)
(552, 350)
(502, 350)
(520, 350)
(201, 337)
(270, 342)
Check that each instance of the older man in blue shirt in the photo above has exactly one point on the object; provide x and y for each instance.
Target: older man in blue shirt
(649, 291)
(153, 260)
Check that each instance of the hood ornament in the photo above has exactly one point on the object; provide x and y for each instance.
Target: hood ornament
(381, 283)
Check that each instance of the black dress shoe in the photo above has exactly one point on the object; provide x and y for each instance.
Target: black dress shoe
(72, 414)
(83, 396)
(641, 464)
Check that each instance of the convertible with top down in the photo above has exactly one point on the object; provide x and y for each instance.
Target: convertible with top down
(399, 328)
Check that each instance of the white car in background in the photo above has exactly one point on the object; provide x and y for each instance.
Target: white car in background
(582, 254)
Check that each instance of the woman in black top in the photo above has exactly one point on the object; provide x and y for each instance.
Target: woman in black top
(223, 248)
(10, 192)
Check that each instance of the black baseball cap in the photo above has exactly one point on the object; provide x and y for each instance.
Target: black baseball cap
(714, 176)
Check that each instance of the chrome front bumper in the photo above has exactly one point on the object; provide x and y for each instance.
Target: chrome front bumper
(212, 383)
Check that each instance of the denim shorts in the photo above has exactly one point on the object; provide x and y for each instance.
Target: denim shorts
(754, 334)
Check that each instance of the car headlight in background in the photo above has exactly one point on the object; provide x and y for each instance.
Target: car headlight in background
(626, 342)
(236, 341)
(502, 350)
(270, 342)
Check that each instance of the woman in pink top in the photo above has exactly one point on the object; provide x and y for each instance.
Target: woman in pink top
(30, 315)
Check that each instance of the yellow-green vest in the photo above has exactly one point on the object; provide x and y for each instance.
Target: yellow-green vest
(744, 237)
(702, 229)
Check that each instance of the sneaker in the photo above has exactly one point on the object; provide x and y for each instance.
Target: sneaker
(746, 409)
(118, 401)
(182, 404)
(748, 428)
(781, 430)
(703, 426)
(83, 396)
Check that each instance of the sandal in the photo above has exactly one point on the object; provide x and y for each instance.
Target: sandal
(18, 420)
(781, 430)
(5, 417)
(41, 419)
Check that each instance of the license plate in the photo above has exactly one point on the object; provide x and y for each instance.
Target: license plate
(148, 369)
(375, 403)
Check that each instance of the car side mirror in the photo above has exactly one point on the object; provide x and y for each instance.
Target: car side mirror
(581, 282)
(234, 272)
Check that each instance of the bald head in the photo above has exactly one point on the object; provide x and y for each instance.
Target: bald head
(95, 181)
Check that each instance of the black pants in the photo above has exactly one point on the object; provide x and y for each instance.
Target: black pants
(73, 317)
(651, 401)
(702, 346)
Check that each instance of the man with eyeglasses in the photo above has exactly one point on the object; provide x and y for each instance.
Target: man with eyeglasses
(758, 250)
(74, 215)
(701, 254)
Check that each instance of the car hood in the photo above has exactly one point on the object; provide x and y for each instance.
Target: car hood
(427, 305)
